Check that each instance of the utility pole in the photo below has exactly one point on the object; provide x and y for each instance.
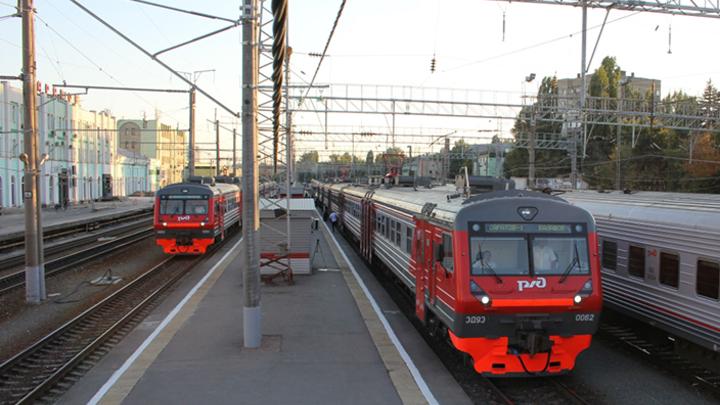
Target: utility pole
(252, 335)
(446, 160)
(618, 134)
(34, 267)
(217, 147)
(581, 115)
(531, 151)
(191, 135)
(234, 147)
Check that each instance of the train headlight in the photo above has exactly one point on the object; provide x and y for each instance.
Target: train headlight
(202, 223)
(485, 299)
(164, 223)
(577, 299)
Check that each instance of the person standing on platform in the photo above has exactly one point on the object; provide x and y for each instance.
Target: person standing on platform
(333, 220)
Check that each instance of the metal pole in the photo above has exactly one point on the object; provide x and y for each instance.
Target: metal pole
(531, 152)
(234, 148)
(252, 335)
(288, 144)
(191, 135)
(34, 268)
(573, 152)
(617, 139)
(217, 147)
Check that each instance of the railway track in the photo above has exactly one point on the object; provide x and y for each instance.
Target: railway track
(663, 356)
(547, 390)
(18, 257)
(16, 279)
(18, 242)
(49, 367)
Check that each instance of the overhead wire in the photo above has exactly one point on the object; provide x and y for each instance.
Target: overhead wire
(327, 45)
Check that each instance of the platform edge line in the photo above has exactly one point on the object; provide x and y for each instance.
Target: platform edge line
(115, 377)
(417, 376)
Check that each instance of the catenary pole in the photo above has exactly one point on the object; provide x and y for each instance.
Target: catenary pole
(234, 152)
(217, 147)
(191, 135)
(34, 267)
(252, 335)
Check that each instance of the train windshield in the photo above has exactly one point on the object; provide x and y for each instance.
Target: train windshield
(183, 206)
(529, 255)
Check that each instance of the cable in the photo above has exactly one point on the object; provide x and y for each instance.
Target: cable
(539, 44)
(327, 44)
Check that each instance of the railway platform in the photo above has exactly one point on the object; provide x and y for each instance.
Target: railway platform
(12, 220)
(334, 336)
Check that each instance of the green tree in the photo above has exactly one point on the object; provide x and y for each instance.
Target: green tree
(309, 157)
(369, 159)
(461, 156)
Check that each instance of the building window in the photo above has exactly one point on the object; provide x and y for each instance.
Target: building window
(13, 192)
(636, 261)
(669, 269)
(609, 255)
(707, 283)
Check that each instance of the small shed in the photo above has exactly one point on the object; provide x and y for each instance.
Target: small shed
(273, 235)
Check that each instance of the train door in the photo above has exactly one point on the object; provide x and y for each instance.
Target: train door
(221, 216)
(418, 253)
(63, 188)
(430, 265)
(367, 227)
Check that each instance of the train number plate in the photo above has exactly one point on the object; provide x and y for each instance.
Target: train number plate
(475, 319)
(584, 317)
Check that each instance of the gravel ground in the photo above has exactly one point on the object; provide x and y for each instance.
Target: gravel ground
(68, 295)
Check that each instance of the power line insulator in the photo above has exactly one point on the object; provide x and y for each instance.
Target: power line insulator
(432, 64)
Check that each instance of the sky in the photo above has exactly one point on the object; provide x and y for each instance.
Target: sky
(376, 42)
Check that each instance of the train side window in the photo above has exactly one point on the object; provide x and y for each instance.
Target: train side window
(408, 239)
(609, 255)
(398, 233)
(447, 260)
(636, 261)
(707, 282)
(669, 269)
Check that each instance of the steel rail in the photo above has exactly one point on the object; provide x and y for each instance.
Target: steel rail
(69, 337)
(58, 265)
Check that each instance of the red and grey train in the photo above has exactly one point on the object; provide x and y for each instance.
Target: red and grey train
(511, 277)
(191, 216)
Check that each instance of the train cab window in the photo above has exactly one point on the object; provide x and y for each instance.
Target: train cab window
(171, 207)
(196, 207)
(499, 256)
(560, 255)
(707, 283)
(669, 269)
(447, 260)
(609, 255)
(636, 261)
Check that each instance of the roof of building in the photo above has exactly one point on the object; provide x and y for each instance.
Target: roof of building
(296, 204)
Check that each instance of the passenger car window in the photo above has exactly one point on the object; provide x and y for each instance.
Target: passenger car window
(669, 269)
(636, 261)
(708, 279)
(609, 255)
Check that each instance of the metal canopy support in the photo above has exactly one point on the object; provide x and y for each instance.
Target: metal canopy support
(709, 8)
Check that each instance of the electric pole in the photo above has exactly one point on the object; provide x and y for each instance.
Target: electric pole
(217, 146)
(34, 267)
(191, 135)
(234, 159)
(252, 335)
(531, 151)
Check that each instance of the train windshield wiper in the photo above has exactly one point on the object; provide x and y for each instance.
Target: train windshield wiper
(492, 271)
(571, 266)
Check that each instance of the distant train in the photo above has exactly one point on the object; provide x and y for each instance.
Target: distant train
(512, 278)
(661, 259)
(191, 216)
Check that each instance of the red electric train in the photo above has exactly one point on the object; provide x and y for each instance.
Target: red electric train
(512, 278)
(191, 216)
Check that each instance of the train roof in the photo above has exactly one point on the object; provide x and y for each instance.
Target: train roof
(197, 189)
(448, 203)
(700, 211)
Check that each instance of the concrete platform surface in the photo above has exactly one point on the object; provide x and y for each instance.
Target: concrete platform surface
(321, 344)
(12, 221)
